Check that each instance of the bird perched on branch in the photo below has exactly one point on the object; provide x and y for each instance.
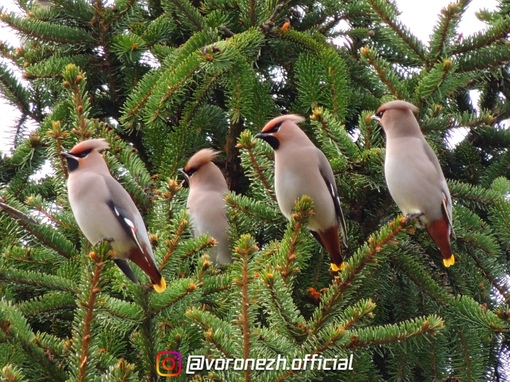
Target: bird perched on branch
(301, 168)
(206, 206)
(414, 176)
(105, 211)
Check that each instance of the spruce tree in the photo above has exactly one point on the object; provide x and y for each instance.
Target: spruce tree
(160, 79)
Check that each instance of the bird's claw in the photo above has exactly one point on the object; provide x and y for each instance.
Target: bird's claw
(411, 217)
(105, 240)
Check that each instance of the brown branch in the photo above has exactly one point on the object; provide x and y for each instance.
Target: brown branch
(89, 315)
(244, 308)
(258, 170)
(172, 244)
(268, 25)
(500, 288)
(341, 284)
(393, 25)
(381, 72)
(43, 240)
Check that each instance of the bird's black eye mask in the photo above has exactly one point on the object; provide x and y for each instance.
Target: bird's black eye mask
(269, 137)
(190, 172)
(83, 154)
(72, 163)
(275, 128)
(72, 159)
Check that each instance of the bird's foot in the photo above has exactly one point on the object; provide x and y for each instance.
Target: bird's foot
(411, 217)
(105, 240)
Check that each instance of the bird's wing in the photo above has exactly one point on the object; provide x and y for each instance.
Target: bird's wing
(329, 179)
(128, 216)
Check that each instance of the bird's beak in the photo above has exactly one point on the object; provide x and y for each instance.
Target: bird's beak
(375, 118)
(269, 138)
(66, 155)
(181, 170)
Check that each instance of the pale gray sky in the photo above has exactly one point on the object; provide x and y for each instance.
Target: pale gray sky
(419, 16)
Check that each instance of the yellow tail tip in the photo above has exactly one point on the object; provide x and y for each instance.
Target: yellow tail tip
(449, 262)
(161, 286)
(336, 268)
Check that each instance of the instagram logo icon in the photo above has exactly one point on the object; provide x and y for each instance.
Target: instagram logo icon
(169, 363)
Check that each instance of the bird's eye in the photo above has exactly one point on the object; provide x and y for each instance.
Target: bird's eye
(380, 114)
(191, 171)
(275, 128)
(83, 154)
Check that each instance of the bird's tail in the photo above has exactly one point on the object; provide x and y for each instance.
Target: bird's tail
(439, 231)
(146, 263)
(330, 240)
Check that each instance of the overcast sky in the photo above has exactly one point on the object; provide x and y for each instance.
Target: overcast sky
(419, 16)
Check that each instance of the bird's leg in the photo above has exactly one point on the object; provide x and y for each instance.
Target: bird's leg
(105, 240)
(410, 217)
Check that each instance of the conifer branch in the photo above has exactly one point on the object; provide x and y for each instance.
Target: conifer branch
(15, 214)
(48, 302)
(188, 11)
(498, 33)
(58, 136)
(16, 330)
(47, 236)
(13, 91)
(253, 208)
(367, 253)
(389, 334)
(37, 279)
(102, 26)
(253, 12)
(146, 340)
(233, 163)
(268, 25)
(47, 31)
(247, 143)
(432, 82)
(246, 247)
(303, 210)
(207, 242)
(380, 70)
(500, 287)
(221, 334)
(347, 280)
(389, 18)
(421, 278)
(177, 291)
(173, 243)
(449, 19)
(90, 308)
(466, 355)
(286, 312)
(73, 78)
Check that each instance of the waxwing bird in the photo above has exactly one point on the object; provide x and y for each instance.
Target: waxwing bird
(206, 206)
(105, 211)
(413, 174)
(301, 168)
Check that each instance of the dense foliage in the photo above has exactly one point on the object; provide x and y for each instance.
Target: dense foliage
(160, 79)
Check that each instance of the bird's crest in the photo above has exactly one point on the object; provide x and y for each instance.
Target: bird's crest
(98, 144)
(282, 118)
(398, 104)
(200, 158)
